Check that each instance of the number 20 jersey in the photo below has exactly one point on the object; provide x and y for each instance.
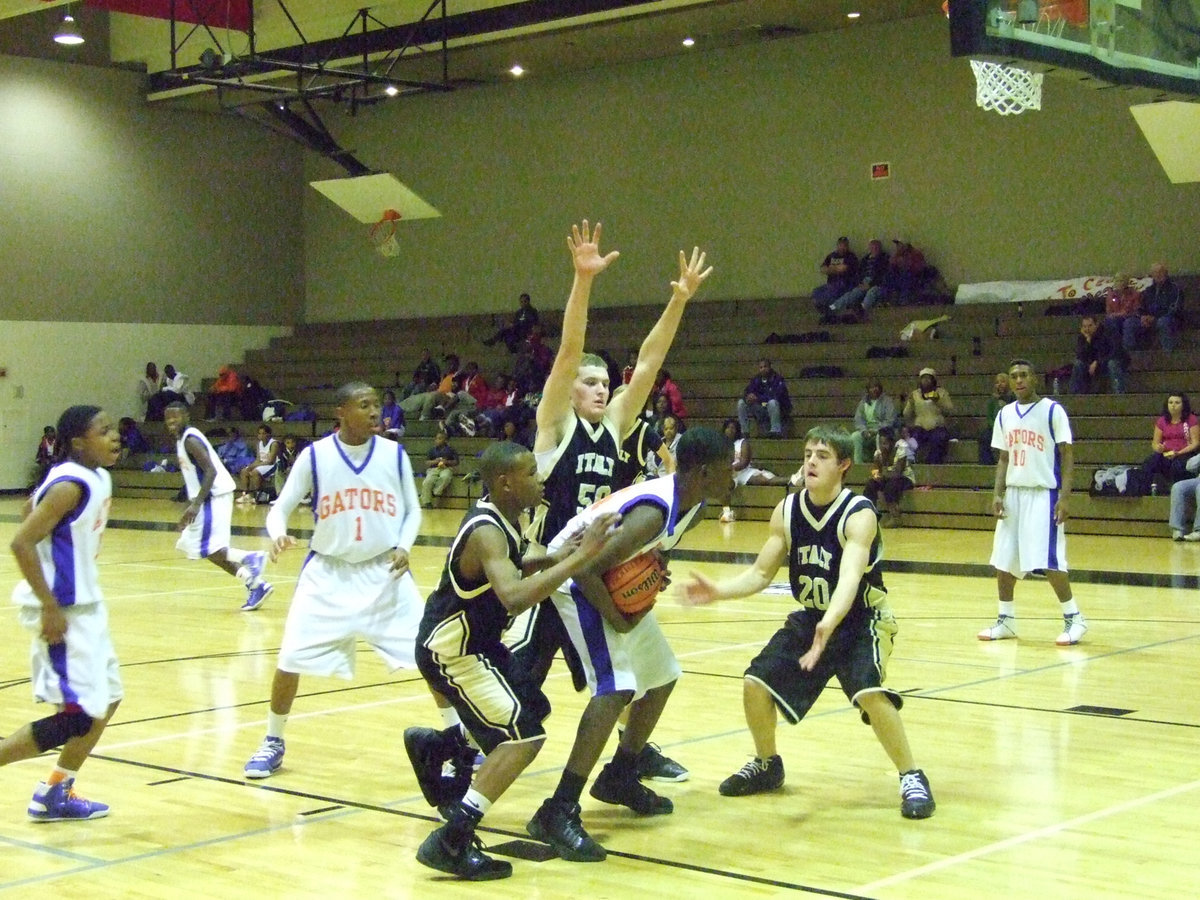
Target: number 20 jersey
(818, 537)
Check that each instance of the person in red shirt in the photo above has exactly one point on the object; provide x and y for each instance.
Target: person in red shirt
(224, 395)
(1123, 311)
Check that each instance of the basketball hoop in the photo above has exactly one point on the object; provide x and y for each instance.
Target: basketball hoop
(1006, 89)
(383, 234)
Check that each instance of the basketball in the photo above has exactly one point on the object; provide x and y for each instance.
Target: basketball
(635, 583)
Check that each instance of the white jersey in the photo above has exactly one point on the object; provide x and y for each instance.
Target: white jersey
(658, 491)
(1030, 435)
(264, 452)
(364, 499)
(222, 484)
(68, 554)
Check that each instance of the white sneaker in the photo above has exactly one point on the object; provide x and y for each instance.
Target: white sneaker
(1074, 628)
(1193, 537)
(1004, 629)
(1176, 535)
(727, 515)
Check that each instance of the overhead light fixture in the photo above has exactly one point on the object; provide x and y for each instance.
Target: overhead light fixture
(853, 15)
(68, 34)
(689, 42)
(516, 71)
(391, 90)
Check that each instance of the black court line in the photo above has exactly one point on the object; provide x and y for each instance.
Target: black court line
(169, 780)
(334, 803)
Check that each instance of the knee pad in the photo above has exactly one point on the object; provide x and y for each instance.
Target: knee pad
(54, 731)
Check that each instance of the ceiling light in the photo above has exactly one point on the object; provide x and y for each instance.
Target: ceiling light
(391, 90)
(516, 71)
(853, 15)
(67, 33)
(688, 42)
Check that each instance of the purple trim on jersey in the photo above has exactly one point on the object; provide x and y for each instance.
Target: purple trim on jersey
(591, 623)
(316, 487)
(357, 470)
(1052, 537)
(58, 662)
(311, 554)
(672, 513)
(62, 544)
(206, 524)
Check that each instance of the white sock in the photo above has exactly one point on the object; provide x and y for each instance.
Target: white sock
(449, 716)
(1008, 608)
(1069, 607)
(237, 557)
(476, 800)
(275, 724)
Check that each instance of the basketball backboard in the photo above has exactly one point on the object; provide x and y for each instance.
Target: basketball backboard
(367, 196)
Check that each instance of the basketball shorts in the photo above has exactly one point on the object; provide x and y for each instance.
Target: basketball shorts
(857, 654)
(336, 603)
(495, 704)
(210, 530)
(638, 660)
(81, 670)
(1028, 538)
(535, 636)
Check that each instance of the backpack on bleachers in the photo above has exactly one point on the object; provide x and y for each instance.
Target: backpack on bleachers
(1120, 481)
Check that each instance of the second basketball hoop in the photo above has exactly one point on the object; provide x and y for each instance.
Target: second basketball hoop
(1006, 89)
(383, 234)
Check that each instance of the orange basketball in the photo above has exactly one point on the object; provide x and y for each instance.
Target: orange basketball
(635, 583)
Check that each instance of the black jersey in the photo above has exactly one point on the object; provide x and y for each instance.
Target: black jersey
(635, 451)
(576, 473)
(818, 536)
(464, 617)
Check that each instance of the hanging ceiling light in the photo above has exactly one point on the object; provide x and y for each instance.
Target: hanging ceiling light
(68, 34)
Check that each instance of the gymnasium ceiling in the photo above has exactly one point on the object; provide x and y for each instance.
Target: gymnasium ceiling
(544, 36)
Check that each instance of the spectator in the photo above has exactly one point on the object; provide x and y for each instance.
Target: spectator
(470, 389)
(250, 479)
(630, 365)
(225, 394)
(672, 428)
(664, 386)
(892, 474)
(872, 274)
(1001, 396)
(1162, 307)
(905, 277)
(132, 440)
(533, 363)
(1176, 438)
(1122, 311)
(44, 458)
(148, 385)
(743, 472)
(286, 459)
(1185, 510)
(766, 398)
(515, 333)
(925, 411)
(425, 377)
(496, 406)
(426, 403)
(439, 469)
(840, 269)
(175, 389)
(1097, 353)
(234, 453)
(515, 433)
(874, 412)
(391, 417)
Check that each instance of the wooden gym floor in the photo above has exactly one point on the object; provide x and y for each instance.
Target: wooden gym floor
(1058, 772)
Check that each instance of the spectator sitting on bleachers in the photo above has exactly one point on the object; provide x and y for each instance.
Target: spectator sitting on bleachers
(533, 362)
(224, 396)
(44, 458)
(250, 479)
(1176, 438)
(148, 385)
(501, 401)
(664, 386)
(875, 411)
(872, 273)
(233, 452)
(522, 323)
(132, 440)
(925, 411)
(470, 388)
(424, 404)
(840, 269)
(425, 377)
(1185, 510)
(288, 452)
(1001, 396)
(1123, 311)
(892, 474)
(906, 276)
(741, 469)
(766, 398)
(1162, 308)
(1097, 354)
(175, 389)
(439, 468)
(391, 417)
(511, 431)
(672, 428)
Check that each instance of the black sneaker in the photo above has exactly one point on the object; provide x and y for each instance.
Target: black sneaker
(653, 766)
(611, 787)
(916, 799)
(754, 777)
(557, 823)
(427, 751)
(469, 863)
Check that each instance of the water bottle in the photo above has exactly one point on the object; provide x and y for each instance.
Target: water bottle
(1056, 385)
(1020, 310)
(1154, 488)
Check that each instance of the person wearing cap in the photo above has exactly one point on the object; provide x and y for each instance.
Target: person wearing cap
(925, 411)
(841, 273)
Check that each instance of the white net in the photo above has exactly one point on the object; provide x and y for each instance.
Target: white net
(383, 235)
(1006, 89)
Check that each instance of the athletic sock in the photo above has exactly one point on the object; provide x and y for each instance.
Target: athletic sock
(237, 557)
(1069, 608)
(570, 787)
(449, 716)
(624, 761)
(1008, 608)
(60, 774)
(476, 801)
(275, 724)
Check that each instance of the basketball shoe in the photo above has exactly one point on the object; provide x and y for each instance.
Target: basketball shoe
(59, 803)
(653, 766)
(438, 851)
(754, 777)
(256, 596)
(557, 823)
(624, 789)
(916, 799)
(1074, 628)
(266, 760)
(1004, 629)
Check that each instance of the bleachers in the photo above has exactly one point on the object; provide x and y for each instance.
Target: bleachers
(714, 356)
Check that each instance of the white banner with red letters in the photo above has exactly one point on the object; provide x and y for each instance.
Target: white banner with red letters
(1030, 291)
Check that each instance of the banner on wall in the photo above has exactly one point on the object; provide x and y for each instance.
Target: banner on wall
(1030, 291)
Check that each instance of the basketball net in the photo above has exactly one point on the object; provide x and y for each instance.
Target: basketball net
(1006, 89)
(383, 234)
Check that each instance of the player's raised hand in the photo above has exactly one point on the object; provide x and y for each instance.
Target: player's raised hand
(691, 273)
(584, 245)
(281, 544)
(698, 590)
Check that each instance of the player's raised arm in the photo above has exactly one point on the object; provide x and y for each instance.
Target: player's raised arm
(700, 589)
(653, 352)
(584, 246)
